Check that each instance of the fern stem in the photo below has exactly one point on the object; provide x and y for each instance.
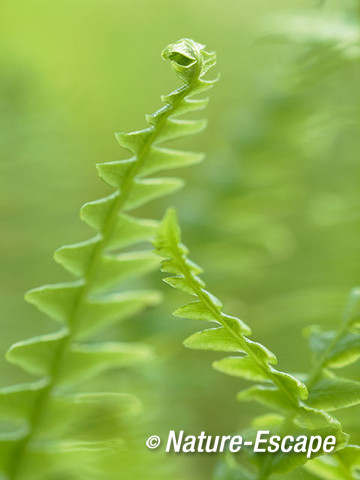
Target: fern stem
(16, 463)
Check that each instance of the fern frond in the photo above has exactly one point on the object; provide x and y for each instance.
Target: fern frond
(42, 439)
(333, 350)
(329, 392)
(275, 389)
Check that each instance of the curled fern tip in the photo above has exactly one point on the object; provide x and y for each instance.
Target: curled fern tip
(189, 59)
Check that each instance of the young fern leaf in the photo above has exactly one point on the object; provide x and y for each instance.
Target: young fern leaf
(278, 390)
(329, 392)
(333, 350)
(39, 444)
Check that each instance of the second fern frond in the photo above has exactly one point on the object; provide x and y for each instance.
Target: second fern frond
(297, 412)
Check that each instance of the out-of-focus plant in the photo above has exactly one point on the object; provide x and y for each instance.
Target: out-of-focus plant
(291, 169)
(301, 406)
(48, 425)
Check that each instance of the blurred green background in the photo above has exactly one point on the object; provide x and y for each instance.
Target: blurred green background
(272, 214)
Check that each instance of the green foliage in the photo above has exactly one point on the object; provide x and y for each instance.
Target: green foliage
(301, 406)
(49, 433)
(328, 391)
(343, 465)
(274, 213)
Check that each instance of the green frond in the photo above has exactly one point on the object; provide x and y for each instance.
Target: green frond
(301, 407)
(330, 392)
(48, 437)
